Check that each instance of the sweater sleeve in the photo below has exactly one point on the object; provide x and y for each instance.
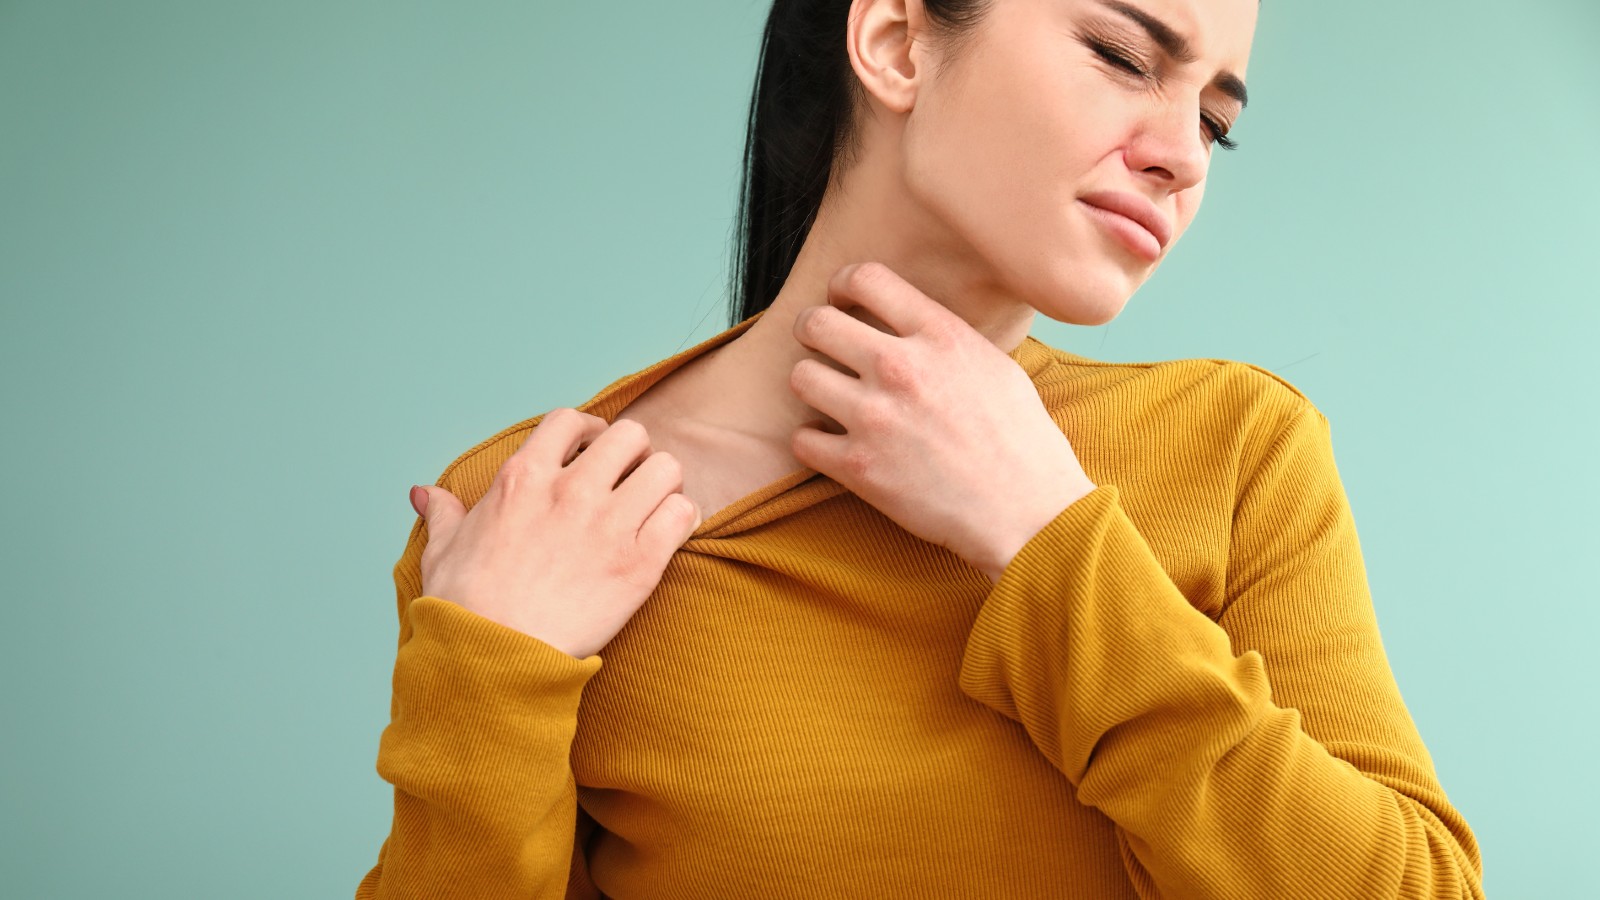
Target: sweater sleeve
(1262, 755)
(478, 747)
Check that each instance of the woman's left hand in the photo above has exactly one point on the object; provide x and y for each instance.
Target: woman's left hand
(944, 433)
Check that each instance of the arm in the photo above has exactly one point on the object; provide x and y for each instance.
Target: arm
(481, 726)
(1287, 767)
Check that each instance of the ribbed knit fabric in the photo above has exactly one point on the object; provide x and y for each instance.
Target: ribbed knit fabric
(1177, 689)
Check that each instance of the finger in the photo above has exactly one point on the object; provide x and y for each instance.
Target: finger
(828, 391)
(442, 512)
(842, 337)
(876, 288)
(613, 453)
(818, 449)
(674, 519)
(558, 436)
(643, 489)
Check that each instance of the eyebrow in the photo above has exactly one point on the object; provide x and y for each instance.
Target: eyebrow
(1175, 46)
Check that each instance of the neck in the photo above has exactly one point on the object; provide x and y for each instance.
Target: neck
(743, 386)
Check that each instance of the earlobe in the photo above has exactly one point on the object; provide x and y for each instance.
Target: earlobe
(881, 39)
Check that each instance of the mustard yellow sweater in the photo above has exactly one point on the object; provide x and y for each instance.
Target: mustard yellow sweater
(1177, 689)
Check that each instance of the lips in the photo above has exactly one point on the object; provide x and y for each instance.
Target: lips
(1136, 208)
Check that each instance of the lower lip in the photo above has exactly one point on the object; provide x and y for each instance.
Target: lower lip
(1134, 236)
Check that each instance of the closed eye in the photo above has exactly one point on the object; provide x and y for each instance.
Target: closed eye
(1119, 60)
(1122, 62)
(1221, 136)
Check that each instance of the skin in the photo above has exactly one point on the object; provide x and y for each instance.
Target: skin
(962, 206)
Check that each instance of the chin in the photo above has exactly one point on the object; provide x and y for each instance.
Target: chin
(1080, 310)
(1074, 297)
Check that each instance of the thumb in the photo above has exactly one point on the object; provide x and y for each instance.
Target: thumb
(440, 510)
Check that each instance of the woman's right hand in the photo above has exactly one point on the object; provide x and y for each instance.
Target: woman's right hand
(571, 537)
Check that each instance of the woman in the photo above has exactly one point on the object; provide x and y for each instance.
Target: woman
(904, 637)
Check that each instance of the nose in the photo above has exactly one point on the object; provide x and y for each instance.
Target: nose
(1171, 146)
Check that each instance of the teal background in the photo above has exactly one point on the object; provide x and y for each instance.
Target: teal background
(264, 266)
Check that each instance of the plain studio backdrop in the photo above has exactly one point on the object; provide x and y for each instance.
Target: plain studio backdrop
(264, 266)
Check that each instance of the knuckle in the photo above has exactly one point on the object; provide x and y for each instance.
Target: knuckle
(515, 473)
(801, 374)
(681, 506)
(677, 507)
(609, 526)
(944, 332)
(517, 464)
(669, 465)
(630, 430)
(875, 416)
(817, 321)
(897, 372)
(570, 490)
(867, 274)
(858, 462)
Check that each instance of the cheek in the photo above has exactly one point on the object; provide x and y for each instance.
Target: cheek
(999, 158)
(964, 173)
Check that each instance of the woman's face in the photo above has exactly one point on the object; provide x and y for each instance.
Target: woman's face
(1040, 111)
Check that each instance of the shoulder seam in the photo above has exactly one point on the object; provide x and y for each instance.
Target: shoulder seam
(1270, 374)
(1060, 357)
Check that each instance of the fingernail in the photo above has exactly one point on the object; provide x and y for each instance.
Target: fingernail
(419, 499)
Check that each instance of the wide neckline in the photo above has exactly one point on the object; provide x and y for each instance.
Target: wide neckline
(798, 489)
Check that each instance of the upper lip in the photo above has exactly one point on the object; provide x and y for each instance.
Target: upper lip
(1135, 207)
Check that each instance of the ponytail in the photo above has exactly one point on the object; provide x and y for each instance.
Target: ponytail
(801, 133)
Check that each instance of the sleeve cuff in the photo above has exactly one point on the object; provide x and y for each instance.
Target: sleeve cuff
(1085, 632)
(459, 657)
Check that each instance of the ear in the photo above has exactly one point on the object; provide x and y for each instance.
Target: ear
(883, 38)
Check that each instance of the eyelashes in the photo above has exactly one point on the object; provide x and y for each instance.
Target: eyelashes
(1223, 140)
(1117, 59)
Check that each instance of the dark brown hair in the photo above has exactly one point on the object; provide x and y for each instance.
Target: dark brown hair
(802, 132)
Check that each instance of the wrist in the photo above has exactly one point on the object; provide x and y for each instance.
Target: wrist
(997, 558)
